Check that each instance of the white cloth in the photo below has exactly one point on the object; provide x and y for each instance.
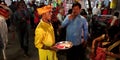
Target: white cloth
(113, 21)
(3, 30)
(96, 11)
(4, 34)
(60, 17)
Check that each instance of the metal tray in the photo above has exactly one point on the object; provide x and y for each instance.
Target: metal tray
(62, 45)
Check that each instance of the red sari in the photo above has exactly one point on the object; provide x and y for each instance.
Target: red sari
(100, 54)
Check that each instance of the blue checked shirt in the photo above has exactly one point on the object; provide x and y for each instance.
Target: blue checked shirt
(74, 29)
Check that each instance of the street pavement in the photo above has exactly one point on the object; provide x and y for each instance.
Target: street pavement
(14, 52)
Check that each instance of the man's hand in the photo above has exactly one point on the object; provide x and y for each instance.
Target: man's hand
(71, 16)
(50, 48)
(54, 48)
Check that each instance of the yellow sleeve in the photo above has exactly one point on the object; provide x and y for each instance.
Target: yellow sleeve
(39, 35)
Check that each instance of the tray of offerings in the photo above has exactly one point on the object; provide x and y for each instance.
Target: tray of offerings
(62, 45)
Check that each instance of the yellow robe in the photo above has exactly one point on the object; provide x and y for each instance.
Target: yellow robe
(44, 35)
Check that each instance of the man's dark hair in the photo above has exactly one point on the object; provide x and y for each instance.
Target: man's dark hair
(112, 31)
(69, 11)
(83, 12)
(116, 14)
(76, 4)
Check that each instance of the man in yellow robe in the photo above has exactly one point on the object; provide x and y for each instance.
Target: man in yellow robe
(44, 35)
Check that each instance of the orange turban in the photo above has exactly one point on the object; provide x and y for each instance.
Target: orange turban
(44, 9)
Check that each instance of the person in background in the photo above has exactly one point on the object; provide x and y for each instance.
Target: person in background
(21, 22)
(61, 14)
(4, 15)
(69, 11)
(7, 21)
(31, 8)
(36, 17)
(104, 11)
(60, 17)
(55, 23)
(114, 21)
(13, 6)
(107, 46)
(61, 33)
(44, 35)
(96, 10)
(11, 29)
(74, 24)
(89, 19)
(83, 13)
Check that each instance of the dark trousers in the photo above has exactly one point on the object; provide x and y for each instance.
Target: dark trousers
(1, 54)
(76, 53)
(23, 39)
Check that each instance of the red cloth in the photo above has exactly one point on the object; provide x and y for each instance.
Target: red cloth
(36, 18)
(105, 12)
(115, 24)
(4, 12)
(100, 54)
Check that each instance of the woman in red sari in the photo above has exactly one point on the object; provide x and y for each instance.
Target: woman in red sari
(103, 51)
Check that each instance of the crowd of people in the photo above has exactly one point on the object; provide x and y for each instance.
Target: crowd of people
(51, 25)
